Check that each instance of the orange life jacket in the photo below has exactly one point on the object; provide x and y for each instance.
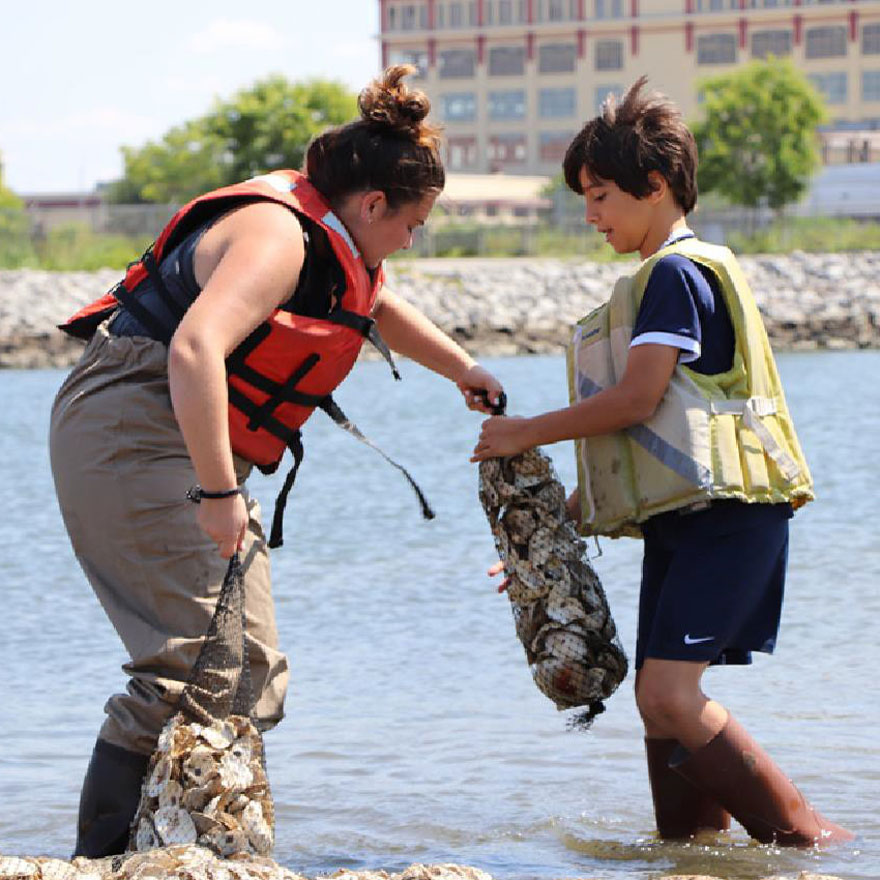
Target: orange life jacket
(289, 364)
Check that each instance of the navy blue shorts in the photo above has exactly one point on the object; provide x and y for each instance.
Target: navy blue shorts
(712, 583)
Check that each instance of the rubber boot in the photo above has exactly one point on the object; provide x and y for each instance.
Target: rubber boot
(736, 771)
(110, 795)
(681, 810)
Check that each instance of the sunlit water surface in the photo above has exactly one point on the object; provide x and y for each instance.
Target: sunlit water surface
(414, 731)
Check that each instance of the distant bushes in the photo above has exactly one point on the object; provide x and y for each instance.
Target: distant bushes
(74, 247)
(65, 248)
(809, 234)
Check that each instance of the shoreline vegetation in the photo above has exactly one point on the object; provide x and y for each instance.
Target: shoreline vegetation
(503, 306)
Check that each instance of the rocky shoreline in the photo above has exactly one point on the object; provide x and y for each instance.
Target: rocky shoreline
(503, 306)
(195, 863)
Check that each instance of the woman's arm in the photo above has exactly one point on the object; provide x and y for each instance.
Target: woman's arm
(247, 265)
(630, 402)
(409, 332)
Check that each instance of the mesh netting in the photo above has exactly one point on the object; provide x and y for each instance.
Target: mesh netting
(206, 782)
(559, 607)
(220, 682)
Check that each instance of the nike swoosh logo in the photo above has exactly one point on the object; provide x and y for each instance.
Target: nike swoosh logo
(689, 641)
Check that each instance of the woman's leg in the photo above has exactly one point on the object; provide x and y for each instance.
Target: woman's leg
(121, 470)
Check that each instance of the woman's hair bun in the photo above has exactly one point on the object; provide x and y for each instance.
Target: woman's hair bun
(387, 102)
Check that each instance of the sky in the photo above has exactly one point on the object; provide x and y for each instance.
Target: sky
(81, 78)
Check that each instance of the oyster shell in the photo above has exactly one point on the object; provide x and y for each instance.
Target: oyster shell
(206, 783)
(561, 612)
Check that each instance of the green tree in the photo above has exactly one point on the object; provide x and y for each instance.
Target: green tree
(757, 139)
(15, 242)
(259, 129)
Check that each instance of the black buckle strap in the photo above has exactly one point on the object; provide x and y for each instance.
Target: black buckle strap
(276, 535)
(367, 328)
(131, 302)
(144, 316)
(332, 409)
(282, 393)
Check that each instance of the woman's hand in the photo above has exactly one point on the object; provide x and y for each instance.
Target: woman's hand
(225, 522)
(502, 436)
(480, 388)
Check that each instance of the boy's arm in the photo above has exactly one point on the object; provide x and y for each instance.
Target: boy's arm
(631, 401)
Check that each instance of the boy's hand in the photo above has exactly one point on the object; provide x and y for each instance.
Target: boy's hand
(502, 436)
(496, 569)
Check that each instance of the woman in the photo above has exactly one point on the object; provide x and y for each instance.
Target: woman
(249, 309)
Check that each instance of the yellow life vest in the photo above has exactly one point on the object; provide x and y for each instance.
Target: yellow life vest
(727, 435)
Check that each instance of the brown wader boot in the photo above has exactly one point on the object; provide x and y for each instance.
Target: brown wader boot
(681, 809)
(110, 795)
(736, 771)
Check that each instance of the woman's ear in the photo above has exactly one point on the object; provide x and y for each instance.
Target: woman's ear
(374, 206)
(659, 186)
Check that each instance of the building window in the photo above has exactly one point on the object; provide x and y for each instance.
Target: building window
(826, 42)
(609, 55)
(408, 17)
(557, 57)
(472, 13)
(608, 8)
(457, 62)
(871, 39)
(556, 10)
(459, 106)
(507, 105)
(556, 103)
(766, 43)
(716, 49)
(553, 145)
(507, 148)
(416, 57)
(871, 85)
(456, 15)
(507, 60)
(505, 11)
(831, 85)
(461, 153)
(423, 17)
(602, 94)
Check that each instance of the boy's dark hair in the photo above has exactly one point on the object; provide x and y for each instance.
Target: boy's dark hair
(644, 132)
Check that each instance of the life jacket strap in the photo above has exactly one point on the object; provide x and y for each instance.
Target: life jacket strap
(332, 409)
(276, 535)
(131, 302)
(366, 326)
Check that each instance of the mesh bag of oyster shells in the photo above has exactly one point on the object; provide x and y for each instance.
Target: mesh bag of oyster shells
(559, 607)
(206, 782)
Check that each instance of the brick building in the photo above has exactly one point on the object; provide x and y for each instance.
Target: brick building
(512, 80)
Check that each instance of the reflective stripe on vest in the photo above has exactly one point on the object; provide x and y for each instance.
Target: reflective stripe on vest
(727, 435)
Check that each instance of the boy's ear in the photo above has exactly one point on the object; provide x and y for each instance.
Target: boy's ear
(659, 186)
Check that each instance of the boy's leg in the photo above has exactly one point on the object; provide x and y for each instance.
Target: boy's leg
(733, 768)
(673, 707)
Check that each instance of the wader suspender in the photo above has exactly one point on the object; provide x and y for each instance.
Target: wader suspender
(261, 415)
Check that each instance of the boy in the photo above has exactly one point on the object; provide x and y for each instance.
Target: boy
(683, 437)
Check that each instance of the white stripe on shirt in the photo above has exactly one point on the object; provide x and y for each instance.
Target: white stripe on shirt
(690, 348)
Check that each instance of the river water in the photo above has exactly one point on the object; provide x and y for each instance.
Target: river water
(414, 731)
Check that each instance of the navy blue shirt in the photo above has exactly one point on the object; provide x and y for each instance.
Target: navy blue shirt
(683, 307)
